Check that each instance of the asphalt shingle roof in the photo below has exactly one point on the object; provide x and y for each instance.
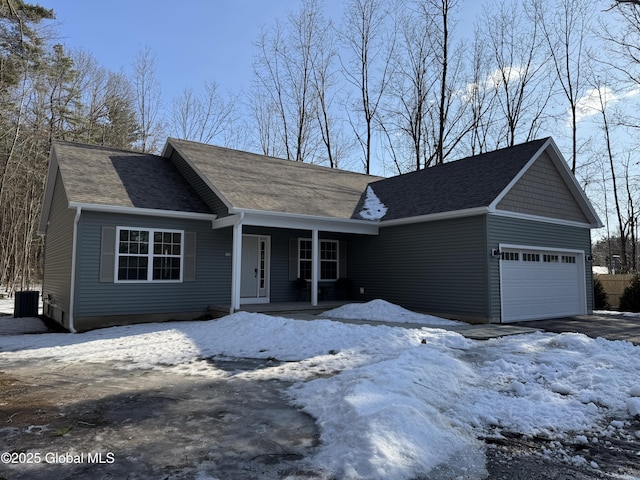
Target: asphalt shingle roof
(257, 182)
(109, 176)
(467, 183)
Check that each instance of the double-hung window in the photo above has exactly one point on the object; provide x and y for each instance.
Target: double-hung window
(149, 255)
(329, 259)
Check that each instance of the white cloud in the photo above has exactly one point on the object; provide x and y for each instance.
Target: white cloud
(590, 103)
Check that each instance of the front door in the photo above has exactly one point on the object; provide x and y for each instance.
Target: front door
(254, 283)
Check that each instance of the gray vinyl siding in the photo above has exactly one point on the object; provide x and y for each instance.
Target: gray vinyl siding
(542, 192)
(212, 283)
(539, 234)
(211, 199)
(437, 267)
(58, 251)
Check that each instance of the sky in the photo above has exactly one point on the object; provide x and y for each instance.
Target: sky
(391, 414)
(193, 41)
(198, 41)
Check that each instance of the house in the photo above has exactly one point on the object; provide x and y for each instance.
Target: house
(132, 237)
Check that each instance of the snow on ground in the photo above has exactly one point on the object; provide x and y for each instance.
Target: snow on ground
(624, 314)
(383, 311)
(390, 402)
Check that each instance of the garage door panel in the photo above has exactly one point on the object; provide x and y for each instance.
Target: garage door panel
(540, 284)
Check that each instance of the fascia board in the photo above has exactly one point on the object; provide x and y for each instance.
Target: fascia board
(432, 217)
(52, 172)
(148, 212)
(306, 222)
(536, 218)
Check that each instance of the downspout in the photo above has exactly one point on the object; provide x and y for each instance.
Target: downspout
(74, 248)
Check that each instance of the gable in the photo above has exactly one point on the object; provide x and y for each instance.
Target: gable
(462, 185)
(246, 181)
(94, 175)
(543, 192)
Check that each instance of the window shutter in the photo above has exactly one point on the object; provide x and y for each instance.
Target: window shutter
(189, 272)
(108, 255)
(342, 259)
(293, 259)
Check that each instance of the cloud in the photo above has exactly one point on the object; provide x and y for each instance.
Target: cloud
(590, 103)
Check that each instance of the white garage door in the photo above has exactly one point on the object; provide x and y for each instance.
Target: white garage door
(538, 284)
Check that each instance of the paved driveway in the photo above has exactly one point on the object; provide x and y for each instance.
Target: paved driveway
(611, 326)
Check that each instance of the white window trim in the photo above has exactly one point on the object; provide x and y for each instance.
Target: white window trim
(320, 260)
(149, 255)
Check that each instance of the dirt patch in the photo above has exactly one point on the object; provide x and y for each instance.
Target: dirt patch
(92, 421)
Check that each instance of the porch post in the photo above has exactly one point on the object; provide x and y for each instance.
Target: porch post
(315, 266)
(236, 266)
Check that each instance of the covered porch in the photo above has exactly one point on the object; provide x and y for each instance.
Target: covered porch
(262, 260)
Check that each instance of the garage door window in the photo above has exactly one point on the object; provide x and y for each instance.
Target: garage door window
(530, 257)
(550, 258)
(511, 256)
(568, 259)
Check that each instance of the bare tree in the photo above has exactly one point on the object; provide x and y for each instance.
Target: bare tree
(565, 28)
(283, 71)
(148, 100)
(204, 117)
(264, 112)
(323, 78)
(440, 13)
(622, 40)
(430, 104)
(412, 83)
(623, 224)
(519, 78)
(370, 42)
(480, 96)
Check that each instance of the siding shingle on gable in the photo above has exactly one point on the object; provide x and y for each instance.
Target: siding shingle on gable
(542, 192)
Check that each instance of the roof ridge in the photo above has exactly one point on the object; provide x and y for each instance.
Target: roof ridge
(461, 161)
(276, 159)
(100, 147)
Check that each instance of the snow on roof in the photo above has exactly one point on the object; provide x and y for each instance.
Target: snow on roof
(373, 208)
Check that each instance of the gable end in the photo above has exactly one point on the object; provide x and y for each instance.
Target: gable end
(543, 192)
(214, 202)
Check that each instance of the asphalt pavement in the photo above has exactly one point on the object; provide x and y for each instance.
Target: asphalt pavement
(612, 326)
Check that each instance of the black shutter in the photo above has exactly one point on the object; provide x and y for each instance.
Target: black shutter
(108, 255)
(189, 272)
